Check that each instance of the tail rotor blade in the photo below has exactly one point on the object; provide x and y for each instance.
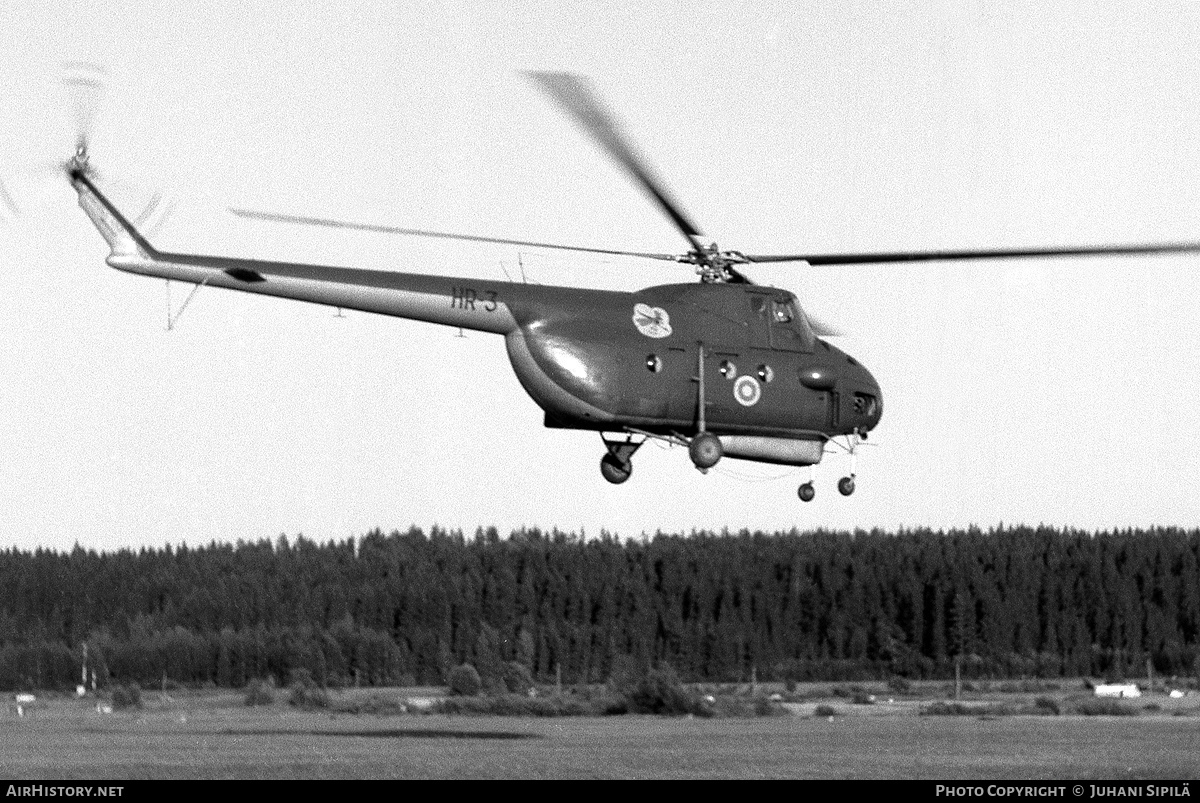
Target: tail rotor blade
(85, 83)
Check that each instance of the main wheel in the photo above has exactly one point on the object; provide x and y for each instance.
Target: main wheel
(807, 492)
(614, 470)
(846, 486)
(705, 450)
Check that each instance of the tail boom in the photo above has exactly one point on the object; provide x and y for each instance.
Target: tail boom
(459, 302)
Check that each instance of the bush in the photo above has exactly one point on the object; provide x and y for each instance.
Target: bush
(374, 703)
(1103, 706)
(1047, 705)
(516, 705)
(517, 678)
(259, 692)
(898, 685)
(609, 704)
(737, 706)
(127, 696)
(305, 693)
(862, 698)
(464, 680)
(766, 707)
(651, 691)
(940, 709)
(825, 710)
(659, 691)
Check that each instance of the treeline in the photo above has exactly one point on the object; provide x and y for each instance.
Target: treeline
(407, 607)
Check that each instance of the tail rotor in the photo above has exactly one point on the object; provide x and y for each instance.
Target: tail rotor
(85, 84)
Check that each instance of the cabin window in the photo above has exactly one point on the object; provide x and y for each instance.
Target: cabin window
(653, 363)
(765, 373)
(782, 311)
(728, 369)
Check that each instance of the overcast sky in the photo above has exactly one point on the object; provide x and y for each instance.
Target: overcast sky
(1057, 391)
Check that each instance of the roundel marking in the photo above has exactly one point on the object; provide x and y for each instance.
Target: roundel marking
(652, 321)
(747, 391)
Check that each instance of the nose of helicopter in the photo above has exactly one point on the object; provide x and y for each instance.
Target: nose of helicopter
(867, 403)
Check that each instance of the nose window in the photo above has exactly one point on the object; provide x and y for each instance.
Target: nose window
(865, 404)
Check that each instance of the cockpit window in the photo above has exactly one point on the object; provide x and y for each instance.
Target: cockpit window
(778, 322)
(790, 329)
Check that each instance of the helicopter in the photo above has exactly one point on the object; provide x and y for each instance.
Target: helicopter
(723, 366)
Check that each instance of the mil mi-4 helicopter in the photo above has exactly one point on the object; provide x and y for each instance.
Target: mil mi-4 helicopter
(723, 366)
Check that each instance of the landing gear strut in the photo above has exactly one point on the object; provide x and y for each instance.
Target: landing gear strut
(846, 484)
(617, 464)
(705, 449)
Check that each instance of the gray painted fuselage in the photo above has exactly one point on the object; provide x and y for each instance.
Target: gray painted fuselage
(592, 359)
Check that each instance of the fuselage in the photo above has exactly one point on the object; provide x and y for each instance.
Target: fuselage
(605, 360)
(732, 359)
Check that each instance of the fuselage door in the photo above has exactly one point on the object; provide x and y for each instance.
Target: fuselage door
(759, 319)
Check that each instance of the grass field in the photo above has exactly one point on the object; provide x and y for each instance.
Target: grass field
(212, 735)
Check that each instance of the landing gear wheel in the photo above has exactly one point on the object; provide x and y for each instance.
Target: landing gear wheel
(614, 470)
(705, 450)
(846, 486)
(807, 492)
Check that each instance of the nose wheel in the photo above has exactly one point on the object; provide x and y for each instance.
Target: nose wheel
(614, 470)
(617, 464)
(807, 492)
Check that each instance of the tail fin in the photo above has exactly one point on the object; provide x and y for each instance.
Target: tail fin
(123, 239)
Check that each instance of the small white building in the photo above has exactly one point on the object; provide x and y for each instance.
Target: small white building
(1118, 690)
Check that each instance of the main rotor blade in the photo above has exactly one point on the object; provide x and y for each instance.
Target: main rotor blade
(7, 200)
(343, 224)
(821, 328)
(950, 256)
(574, 93)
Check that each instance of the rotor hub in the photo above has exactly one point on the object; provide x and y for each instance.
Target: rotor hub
(78, 163)
(714, 265)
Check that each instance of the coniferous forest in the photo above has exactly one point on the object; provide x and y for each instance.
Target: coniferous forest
(405, 608)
